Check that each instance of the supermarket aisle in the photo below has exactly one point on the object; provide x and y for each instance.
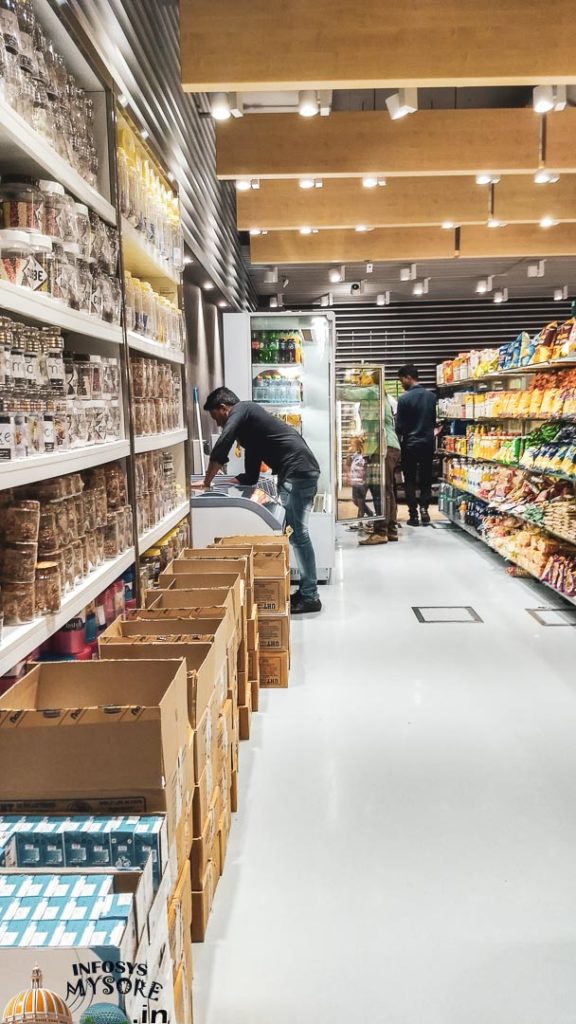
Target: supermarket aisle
(406, 851)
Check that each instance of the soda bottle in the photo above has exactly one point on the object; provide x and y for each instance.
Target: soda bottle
(255, 347)
(291, 349)
(275, 353)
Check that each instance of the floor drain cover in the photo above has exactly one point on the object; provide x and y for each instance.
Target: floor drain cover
(432, 613)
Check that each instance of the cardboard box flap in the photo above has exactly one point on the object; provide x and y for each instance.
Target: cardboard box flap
(205, 565)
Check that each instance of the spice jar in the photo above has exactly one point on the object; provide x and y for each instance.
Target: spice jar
(72, 252)
(7, 437)
(21, 203)
(48, 534)
(9, 25)
(21, 521)
(19, 561)
(48, 588)
(14, 255)
(115, 485)
(111, 536)
(40, 266)
(83, 230)
(26, 24)
(84, 285)
(69, 567)
(18, 602)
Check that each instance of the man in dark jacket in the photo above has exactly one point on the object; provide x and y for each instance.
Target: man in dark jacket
(269, 440)
(416, 427)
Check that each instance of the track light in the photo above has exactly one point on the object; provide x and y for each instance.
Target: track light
(254, 232)
(271, 276)
(370, 181)
(308, 231)
(369, 268)
(408, 273)
(401, 103)
(549, 97)
(123, 100)
(421, 287)
(543, 177)
(383, 299)
(536, 269)
(336, 275)
(273, 302)
(144, 134)
(448, 225)
(360, 228)
(308, 183)
(327, 300)
(484, 285)
(308, 103)
(493, 222)
(548, 222)
(501, 295)
(223, 304)
(486, 178)
(245, 184)
(188, 260)
(561, 294)
(224, 105)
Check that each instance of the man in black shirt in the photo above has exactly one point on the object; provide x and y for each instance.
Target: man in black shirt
(267, 439)
(416, 426)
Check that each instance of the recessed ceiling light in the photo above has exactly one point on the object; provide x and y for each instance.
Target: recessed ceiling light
(486, 178)
(257, 231)
(309, 183)
(225, 105)
(501, 295)
(543, 177)
(493, 222)
(243, 185)
(208, 286)
(561, 294)
(336, 275)
(448, 225)
(549, 97)
(308, 231)
(308, 105)
(548, 222)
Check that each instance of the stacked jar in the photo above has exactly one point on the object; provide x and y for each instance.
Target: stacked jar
(157, 389)
(157, 490)
(152, 315)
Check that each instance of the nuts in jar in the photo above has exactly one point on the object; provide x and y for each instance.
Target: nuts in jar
(18, 602)
(22, 521)
(48, 588)
(19, 562)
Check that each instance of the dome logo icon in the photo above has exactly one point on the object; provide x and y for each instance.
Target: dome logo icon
(104, 1013)
(37, 1005)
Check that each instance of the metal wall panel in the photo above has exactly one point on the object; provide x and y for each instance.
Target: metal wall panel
(138, 41)
(429, 333)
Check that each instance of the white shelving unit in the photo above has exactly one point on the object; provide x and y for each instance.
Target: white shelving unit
(28, 152)
(46, 310)
(141, 258)
(151, 536)
(19, 641)
(43, 467)
(156, 349)
(153, 442)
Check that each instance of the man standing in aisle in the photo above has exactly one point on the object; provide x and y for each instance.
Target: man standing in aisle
(416, 427)
(269, 440)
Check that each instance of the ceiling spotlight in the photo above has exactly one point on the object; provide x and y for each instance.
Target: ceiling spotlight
(548, 222)
(257, 231)
(271, 276)
(361, 228)
(188, 260)
(273, 302)
(171, 177)
(224, 105)
(371, 181)
(308, 231)
(308, 183)
(369, 268)
(543, 177)
(285, 282)
(549, 97)
(561, 294)
(326, 300)
(144, 133)
(383, 299)
(448, 225)
(408, 273)
(245, 184)
(308, 103)
(493, 222)
(123, 99)
(536, 269)
(336, 275)
(208, 286)
(401, 103)
(421, 287)
(484, 285)
(501, 295)
(223, 304)
(485, 178)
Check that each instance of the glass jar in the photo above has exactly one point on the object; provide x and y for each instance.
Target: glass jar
(14, 256)
(53, 208)
(7, 436)
(48, 588)
(115, 486)
(69, 567)
(9, 25)
(84, 285)
(41, 110)
(72, 252)
(83, 230)
(26, 24)
(84, 375)
(18, 368)
(48, 533)
(18, 602)
(111, 536)
(39, 270)
(31, 347)
(35, 429)
(19, 561)
(21, 521)
(21, 203)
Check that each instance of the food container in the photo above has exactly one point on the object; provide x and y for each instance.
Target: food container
(19, 562)
(9, 26)
(48, 532)
(21, 521)
(18, 603)
(115, 486)
(21, 203)
(48, 588)
(83, 230)
(69, 567)
(14, 256)
(111, 536)
(40, 268)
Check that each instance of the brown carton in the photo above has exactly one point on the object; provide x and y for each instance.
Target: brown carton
(253, 631)
(202, 845)
(216, 554)
(274, 632)
(271, 594)
(270, 560)
(255, 689)
(182, 994)
(234, 792)
(201, 799)
(245, 722)
(274, 669)
(202, 900)
(180, 918)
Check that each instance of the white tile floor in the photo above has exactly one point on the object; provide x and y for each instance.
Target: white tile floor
(405, 850)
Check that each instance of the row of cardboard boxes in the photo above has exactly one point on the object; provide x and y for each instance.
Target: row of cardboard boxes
(103, 762)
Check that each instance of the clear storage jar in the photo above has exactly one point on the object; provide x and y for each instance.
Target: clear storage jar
(48, 588)
(14, 256)
(40, 267)
(18, 602)
(83, 230)
(21, 203)
(19, 561)
(9, 26)
(21, 521)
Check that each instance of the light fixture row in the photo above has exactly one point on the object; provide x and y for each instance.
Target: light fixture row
(369, 181)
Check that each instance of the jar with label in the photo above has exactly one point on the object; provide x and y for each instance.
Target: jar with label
(84, 286)
(7, 436)
(112, 421)
(6, 384)
(83, 230)
(39, 269)
(60, 289)
(21, 432)
(21, 203)
(84, 374)
(99, 422)
(9, 25)
(69, 567)
(111, 536)
(48, 588)
(53, 209)
(26, 24)
(21, 521)
(41, 110)
(48, 432)
(35, 429)
(18, 602)
(52, 358)
(48, 533)
(116, 301)
(18, 367)
(19, 561)
(14, 256)
(61, 428)
(72, 252)
(79, 569)
(115, 485)
(31, 347)
(101, 505)
(97, 376)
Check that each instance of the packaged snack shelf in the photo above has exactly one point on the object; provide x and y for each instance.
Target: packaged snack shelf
(19, 641)
(38, 306)
(500, 507)
(42, 467)
(139, 343)
(152, 442)
(141, 259)
(28, 152)
(564, 364)
(151, 536)
(513, 465)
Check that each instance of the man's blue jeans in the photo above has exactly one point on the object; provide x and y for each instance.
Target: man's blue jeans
(297, 494)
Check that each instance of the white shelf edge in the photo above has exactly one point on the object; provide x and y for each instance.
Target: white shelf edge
(20, 472)
(38, 306)
(20, 134)
(154, 348)
(560, 364)
(153, 442)
(149, 538)
(157, 267)
(19, 641)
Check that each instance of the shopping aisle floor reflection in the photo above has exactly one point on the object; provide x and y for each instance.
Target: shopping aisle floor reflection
(405, 850)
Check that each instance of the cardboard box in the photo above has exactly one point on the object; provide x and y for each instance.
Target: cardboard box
(243, 685)
(203, 738)
(255, 690)
(254, 663)
(180, 918)
(271, 553)
(182, 995)
(208, 598)
(245, 722)
(274, 631)
(216, 856)
(201, 799)
(234, 792)
(274, 670)
(271, 594)
(253, 631)
(202, 845)
(243, 562)
(111, 736)
(205, 581)
(204, 673)
(202, 900)
(210, 616)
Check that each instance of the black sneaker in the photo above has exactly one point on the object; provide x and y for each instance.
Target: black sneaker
(303, 606)
(296, 597)
(424, 517)
(413, 520)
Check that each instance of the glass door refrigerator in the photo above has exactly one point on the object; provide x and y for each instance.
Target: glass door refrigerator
(285, 361)
(360, 444)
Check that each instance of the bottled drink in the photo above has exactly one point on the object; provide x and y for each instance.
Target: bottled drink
(255, 347)
(291, 349)
(275, 349)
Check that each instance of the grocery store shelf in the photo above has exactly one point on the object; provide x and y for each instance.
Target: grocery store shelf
(501, 507)
(514, 465)
(478, 536)
(43, 308)
(281, 405)
(25, 151)
(257, 367)
(153, 348)
(150, 537)
(520, 371)
(43, 467)
(507, 419)
(153, 442)
(18, 642)
(141, 258)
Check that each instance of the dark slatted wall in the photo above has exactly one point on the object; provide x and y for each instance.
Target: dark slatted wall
(428, 333)
(138, 40)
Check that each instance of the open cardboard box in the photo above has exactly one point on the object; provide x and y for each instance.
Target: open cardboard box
(193, 580)
(214, 560)
(270, 561)
(193, 598)
(206, 619)
(96, 737)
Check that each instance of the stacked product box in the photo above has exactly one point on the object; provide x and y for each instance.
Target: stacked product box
(112, 739)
